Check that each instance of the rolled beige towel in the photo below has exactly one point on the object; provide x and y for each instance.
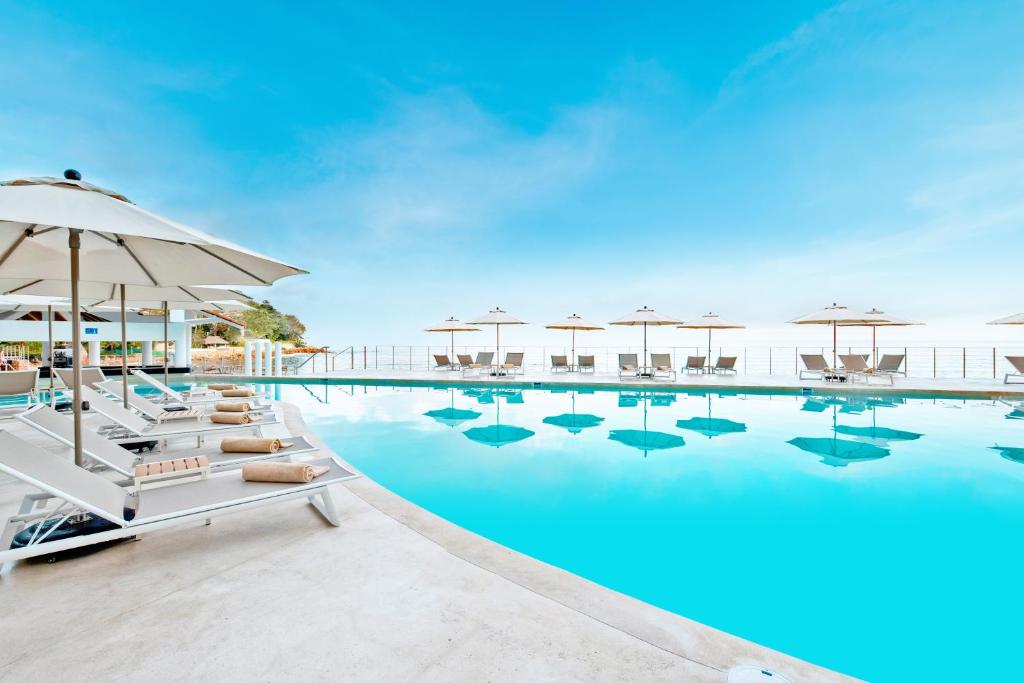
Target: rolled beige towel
(229, 407)
(253, 445)
(237, 393)
(220, 387)
(230, 418)
(282, 472)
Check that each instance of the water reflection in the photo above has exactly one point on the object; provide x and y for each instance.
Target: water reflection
(711, 426)
(1010, 453)
(452, 416)
(644, 439)
(572, 421)
(837, 452)
(497, 434)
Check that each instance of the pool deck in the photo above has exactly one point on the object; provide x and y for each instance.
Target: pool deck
(394, 593)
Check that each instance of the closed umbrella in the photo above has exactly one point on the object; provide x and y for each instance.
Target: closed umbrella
(646, 317)
(878, 319)
(834, 315)
(451, 325)
(67, 229)
(497, 317)
(710, 321)
(573, 323)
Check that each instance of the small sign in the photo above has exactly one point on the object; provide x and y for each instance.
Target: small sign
(92, 330)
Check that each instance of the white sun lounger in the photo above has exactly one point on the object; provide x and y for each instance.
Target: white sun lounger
(816, 367)
(629, 366)
(105, 452)
(91, 376)
(855, 366)
(76, 490)
(192, 398)
(1018, 365)
(661, 366)
(148, 408)
(136, 428)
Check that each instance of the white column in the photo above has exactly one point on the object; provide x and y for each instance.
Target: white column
(182, 346)
(257, 366)
(277, 359)
(268, 360)
(247, 358)
(147, 353)
(94, 353)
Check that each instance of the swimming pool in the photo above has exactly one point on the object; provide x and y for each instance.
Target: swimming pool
(879, 536)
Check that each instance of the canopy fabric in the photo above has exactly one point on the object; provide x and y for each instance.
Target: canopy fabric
(711, 426)
(120, 242)
(835, 315)
(645, 440)
(497, 317)
(452, 417)
(646, 316)
(1016, 319)
(574, 423)
(877, 318)
(497, 435)
(451, 325)
(92, 292)
(573, 322)
(839, 452)
(710, 321)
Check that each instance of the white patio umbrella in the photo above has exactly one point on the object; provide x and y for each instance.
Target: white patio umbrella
(497, 317)
(879, 319)
(63, 228)
(646, 316)
(451, 326)
(1016, 319)
(834, 315)
(574, 322)
(710, 321)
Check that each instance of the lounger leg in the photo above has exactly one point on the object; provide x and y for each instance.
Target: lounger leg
(324, 504)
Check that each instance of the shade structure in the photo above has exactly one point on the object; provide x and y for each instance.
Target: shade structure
(451, 326)
(711, 426)
(646, 440)
(574, 422)
(1015, 319)
(837, 452)
(834, 315)
(497, 434)
(710, 321)
(64, 228)
(876, 319)
(452, 416)
(646, 317)
(497, 317)
(573, 323)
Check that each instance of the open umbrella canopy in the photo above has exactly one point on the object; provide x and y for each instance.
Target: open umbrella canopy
(452, 325)
(646, 440)
(452, 417)
(92, 292)
(882, 435)
(710, 321)
(877, 318)
(646, 316)
(573, 322)
(839, 452)
(1016, 319)
(120, 242)
(835, 315)
(711, 426)
(497, 317)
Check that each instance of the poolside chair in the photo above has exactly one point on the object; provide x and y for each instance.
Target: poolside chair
(133, 427)
(816, 367)
(194, 397)
(559, 364)
(513, 364)
(19, 383)
(891, 364)
(628, 365)
(1018, 364)
(585, 363)
(442, 362)
(91, 376)
(725, 364)
(661, 366)
(484, 361)
(106, 453)
(69, 491)
(855, 366)
(695, 364)
(148, 408)
(464, 359)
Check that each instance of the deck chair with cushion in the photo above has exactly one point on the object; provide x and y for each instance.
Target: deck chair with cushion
(194, 397)
(69, 490)
(1018, 365)
(513, 364)
(148, 408)
(661, 366)
(19, 383)
(91, 376)
(695, 364)
(559, 364)
(855, 366)
(484, 361)
(585, 363)
(725, 364)
(629, 366)
(131, 427)
(816, 367)
(442, 362)
(106, 453)
(891, 364)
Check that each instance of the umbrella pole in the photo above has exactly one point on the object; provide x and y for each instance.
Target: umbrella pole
(643, 361)
(833, 343)
(75, 244)
(451, 357)
(49, 337)
(497, 344)
(166, 313)
(572, 358)
(709, 347)
(874, 347)
(124, 352)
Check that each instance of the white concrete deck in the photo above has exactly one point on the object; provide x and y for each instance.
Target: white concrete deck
(394, 593)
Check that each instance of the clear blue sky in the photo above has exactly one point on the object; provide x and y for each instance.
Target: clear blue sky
(759, 159)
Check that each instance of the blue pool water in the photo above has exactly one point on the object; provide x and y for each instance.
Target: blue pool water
(876, 536)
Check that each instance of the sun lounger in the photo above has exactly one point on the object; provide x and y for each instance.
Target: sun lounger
(484, 361)
(106, 453)
(628, 365)
(725, 364)
(69, 490)
(855, 366)
(513, 364)
(816, 367)
(585, 363)
(91, 376)
(135, 428)
(148, 408)
(559, 364)
(695, 364)
(19, 383)
(661, 366)
(891, 364)
(1018, 365)
(442, 362)
(195, 397)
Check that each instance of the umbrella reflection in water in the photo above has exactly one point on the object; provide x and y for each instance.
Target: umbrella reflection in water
(644, 439)
(497, 434)
(574, 422)
(711, 426)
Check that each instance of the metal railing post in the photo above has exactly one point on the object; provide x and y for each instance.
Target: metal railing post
(935, 364)
(769, 360)
(993, 362)
(364, 356)
(965, 361)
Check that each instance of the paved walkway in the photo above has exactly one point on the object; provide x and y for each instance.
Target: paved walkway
(393, 594)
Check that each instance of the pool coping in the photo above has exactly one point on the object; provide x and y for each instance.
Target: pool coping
(670, 632)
